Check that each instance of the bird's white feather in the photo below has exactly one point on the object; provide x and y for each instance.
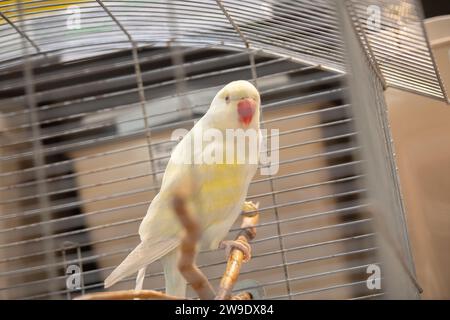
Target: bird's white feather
(218, 191)
(144, 254)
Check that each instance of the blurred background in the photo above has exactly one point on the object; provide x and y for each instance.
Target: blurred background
(86, 117)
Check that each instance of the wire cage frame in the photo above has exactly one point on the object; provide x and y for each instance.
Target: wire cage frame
(87, 83)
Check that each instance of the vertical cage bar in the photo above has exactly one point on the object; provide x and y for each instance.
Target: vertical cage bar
(38, 154)
(64, 258)
(369, 110)
(140, 84)
(272, 188)
(80, 263)
(177, 59)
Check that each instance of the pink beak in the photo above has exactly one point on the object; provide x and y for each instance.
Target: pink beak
(246, 109)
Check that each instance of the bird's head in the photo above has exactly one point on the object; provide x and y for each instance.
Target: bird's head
(238, 102)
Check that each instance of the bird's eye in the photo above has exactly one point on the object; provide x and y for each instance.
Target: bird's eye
(227, 99)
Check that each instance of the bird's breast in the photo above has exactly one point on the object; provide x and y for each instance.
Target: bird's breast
(223, 188)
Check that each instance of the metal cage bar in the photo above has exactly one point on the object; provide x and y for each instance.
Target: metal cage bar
(95, 107)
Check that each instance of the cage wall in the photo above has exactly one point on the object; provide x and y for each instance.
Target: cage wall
(86, 119)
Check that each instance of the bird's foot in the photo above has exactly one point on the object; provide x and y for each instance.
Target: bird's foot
(229, 245)
(249, 206)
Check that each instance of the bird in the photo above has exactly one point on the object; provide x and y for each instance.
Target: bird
(217, 189)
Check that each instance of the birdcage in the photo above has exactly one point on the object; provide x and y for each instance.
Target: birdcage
(91, 92)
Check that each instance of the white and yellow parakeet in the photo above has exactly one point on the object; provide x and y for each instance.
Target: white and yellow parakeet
(217, 193)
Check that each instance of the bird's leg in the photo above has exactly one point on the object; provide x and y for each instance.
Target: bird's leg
(229, 245)
(251, 209)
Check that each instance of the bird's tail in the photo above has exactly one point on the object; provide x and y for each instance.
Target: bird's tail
(140, 279)
(145, 253)
(175, 282)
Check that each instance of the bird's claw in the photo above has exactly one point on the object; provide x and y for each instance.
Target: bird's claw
(229, 245)
(249, 206)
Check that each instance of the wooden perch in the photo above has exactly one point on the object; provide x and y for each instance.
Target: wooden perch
(236, 257)
(242, 296)
(187, 266)
(128, 295)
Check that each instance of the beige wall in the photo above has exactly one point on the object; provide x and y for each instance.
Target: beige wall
(421, 132)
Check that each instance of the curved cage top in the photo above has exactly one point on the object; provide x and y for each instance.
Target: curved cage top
(391, 32)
